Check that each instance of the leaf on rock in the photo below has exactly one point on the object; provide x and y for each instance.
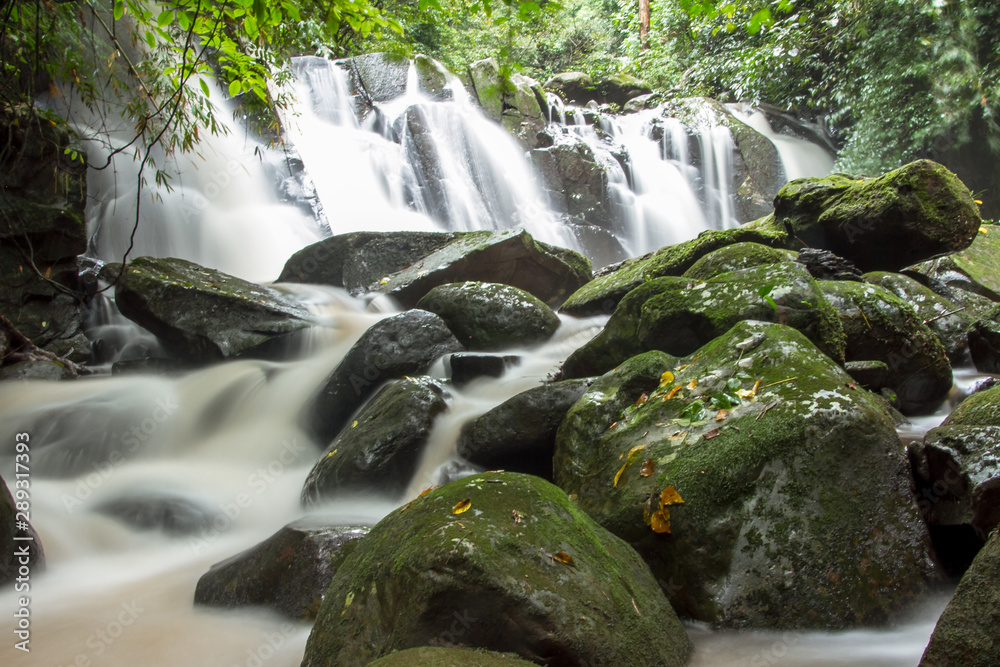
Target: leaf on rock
(632, 452)
(563, 557)
(721, 415)
(642, 400)
(618, 475)
(427, 490)
(671, 497)
(647, 509)
(463, 506)
(647, 468)
(692, 385)
(714, 433)
(672, 393)
(660, 521)
(666, 379)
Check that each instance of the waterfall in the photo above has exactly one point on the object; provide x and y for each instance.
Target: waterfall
(801, 158)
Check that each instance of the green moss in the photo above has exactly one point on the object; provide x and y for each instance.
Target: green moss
(427, 656)
(736, 257)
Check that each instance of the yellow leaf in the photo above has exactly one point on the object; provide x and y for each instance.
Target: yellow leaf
(660, 521)
(666, 379)
(978, 201)
(677, 436)
(354, 424)
(982, 230)
(672, 393)
(563, 558)
(618, 475)
(647, 468)
(671, 497)
(721, 415)
(462, 506)
(635, 450)
(427, 490)
(331, 453)
(692, 385)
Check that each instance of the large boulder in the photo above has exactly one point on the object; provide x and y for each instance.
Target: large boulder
(577, 178)
(967, 632)
(525, 109)
(380, 450)
(520, 433)
(971, 277)
(602, 294)
(736, 257)
(439, 656)
(678, 315)
(580, 88)
(488, 316)
(882, 327)
(523, 570)
(289, 571)
(404, 344)
(488, 87)
(914, 213)
(379, 77)
(763, 488)
(202, 315)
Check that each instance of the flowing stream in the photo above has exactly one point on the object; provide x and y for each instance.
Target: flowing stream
(226, 441)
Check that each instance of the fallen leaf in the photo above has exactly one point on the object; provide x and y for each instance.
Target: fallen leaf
(714, 433)
(635, 450)
(563, 558)
(613, 425)
(660, 521)
(671, 497)
(618, 475)
(331, 453)
(851, 385)
(642, 399)
(427, 490)
(721, 415)
(647, 468)
(677, 436)
(672, 393)
(462, 506)
(517, 516)
(692, 385)
(666, 379)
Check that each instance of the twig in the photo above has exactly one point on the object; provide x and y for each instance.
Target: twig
(764, 411)
(934, 319)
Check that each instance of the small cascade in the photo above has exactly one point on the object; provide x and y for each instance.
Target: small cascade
(801, 158)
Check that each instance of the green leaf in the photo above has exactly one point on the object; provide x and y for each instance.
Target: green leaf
(165, 18)
(151, 39)
(119, 10)
(732, 384)
(204, 88)
(235, 88)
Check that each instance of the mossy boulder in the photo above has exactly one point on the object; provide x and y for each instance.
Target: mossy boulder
(576, 179)
(736, 257)
(379, 77)
(488, 87)
(404, 344)
(679, 315)
(573, 87)
(967, 633)
(797, 510)
(882, 327)
(202, 315)
(525, 109)
(602, 294)
(381, 448)
(984, 341)
(432, 77)
(439, 656)
(522, 571)
(908, 215)
(945, 318)
(970, 277)
(958, 467)
(520, 433)
(489, 316)
(289, 571)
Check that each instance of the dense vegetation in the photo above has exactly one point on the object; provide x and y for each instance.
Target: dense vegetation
(891, 79)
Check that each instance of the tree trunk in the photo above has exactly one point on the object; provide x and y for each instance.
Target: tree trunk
(644, 23)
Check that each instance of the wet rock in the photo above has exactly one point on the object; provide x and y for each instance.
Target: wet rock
(289, 571)
(149, 510)
(872, 375)
(824, 265)
(467, 367)
(404, 344)
(35, 370)
(768, 534)
(602, 294)
(984, 342)
(201, 315)
(488, 87)
(382, 446)
(489, 316)
(678, 315)
(437, 656)
(914, 213)
(577, 179)
(525, 109)
(522, 571)
(580, 88)
(970, 278)
(736, 257)
(946, 319)
(520, 433)
(882, 327)
(15, 540)
(966, 633)
(432, 77)
(382, 76)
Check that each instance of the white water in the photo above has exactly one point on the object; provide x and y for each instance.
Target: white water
(801, 159)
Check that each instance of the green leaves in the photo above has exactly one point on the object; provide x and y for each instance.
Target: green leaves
(765, 293)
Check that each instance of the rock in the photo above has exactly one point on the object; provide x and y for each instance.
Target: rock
(769, 534)
(202, 315)
(525, 110)
(947, 320)
(382, 76)
(14, 540)
(520, 433)
(640, 102)
(172, 513)
(577, 179)
(382, 447)
(914, 213)
(970, 277)
(824, 265)
(289, 571)
(958, 468)
(966, 633)
(872, 375)
(489, 316)
(488, 87)
(574, 87)
(984, 342)
(404, 344)
(618, 90)
(734, 258)
(437, 656)
(432, 77)
(523, 571)
(35, 370)
(678, 315)
(467, 367)
(602, 294)
(882, 327)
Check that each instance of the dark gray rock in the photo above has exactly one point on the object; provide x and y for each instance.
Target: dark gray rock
(467, 367)
(824, 265)
(172, 513)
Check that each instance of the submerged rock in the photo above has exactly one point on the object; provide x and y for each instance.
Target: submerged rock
(966, 633)
(763, 489)
(488, 316)
(914, 213)
(404, 344)
(678, 315)
(882, 327)
(381, 448)
(520, 434)
(148, 510)
(437, 656)
(522, 571)
(202, 315)
(289, 571)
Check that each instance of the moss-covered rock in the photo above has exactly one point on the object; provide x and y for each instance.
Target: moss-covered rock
(678, 315)
(488, 87)
(602, 294)
(797, 509)
(882, 327)
(946, 319)
(967, 633)
(576, 179)
(202, 315)
(404, 344)
(736, 257)
(488, 316)
(520, 433)
(522, 571)
(984, 341)
(432, 77)
(971, 277)
(914, 213)
(289, 571)
(437, 656)
(381, 448)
